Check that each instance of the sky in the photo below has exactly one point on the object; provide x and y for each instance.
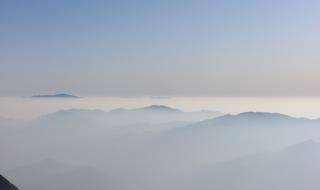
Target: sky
(160, 48)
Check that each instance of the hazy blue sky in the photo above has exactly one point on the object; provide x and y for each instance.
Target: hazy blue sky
(160, 48)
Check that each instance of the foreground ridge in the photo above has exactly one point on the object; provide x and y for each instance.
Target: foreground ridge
(6, 185)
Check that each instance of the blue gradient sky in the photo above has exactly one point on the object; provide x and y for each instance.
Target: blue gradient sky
(160, 48)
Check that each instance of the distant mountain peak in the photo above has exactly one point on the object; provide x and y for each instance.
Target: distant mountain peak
(258, 115)
(152, 108)
(261, 114)
(160, 108)
(62, 95)
(254, 119)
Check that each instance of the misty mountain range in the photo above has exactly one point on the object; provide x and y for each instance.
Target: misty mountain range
(159, 147)
(153, 114)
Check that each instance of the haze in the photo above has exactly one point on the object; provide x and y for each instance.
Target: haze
(29, 108)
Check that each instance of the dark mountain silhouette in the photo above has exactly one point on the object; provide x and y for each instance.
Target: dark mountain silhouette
(6, 185)
(55, 96)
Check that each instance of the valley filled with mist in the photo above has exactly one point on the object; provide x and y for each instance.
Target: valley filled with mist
(160, 147)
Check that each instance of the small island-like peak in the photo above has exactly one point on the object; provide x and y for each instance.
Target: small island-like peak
(55, 96)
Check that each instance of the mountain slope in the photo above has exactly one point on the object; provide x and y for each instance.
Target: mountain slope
(53, 175)
(6, 185)
(295, 167)
(228, 137)
(254, 119)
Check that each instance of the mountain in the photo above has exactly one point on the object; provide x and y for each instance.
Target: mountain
(228, 137)
(112, 147)
(71, 118)
(83, 132)
(254, 119)
(158, 108)
(161, 114)
(6, 185)
(154, 114)
(55, 96)
(295, 167)
(53, 175)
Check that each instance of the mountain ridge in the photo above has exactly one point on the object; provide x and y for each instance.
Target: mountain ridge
(251, 118)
